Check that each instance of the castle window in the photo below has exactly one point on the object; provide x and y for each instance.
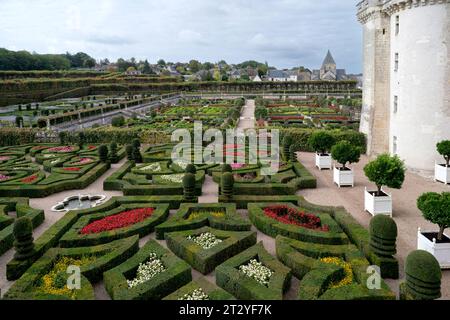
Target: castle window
(397, 24)
(395, 104)
(394, 145)
(396, 62)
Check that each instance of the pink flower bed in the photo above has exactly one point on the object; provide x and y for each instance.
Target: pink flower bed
(4, 177)
(62, 149)
(235, 166)
(83, 161)
(4, 158)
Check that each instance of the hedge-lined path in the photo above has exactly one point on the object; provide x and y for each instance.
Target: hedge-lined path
(51, 217)
(247, 120)
(405, 212)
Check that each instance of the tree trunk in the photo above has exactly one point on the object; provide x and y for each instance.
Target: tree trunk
(441, 233)
(447, 160)
(379, 190)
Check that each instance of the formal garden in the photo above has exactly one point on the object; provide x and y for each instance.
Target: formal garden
(165, 238)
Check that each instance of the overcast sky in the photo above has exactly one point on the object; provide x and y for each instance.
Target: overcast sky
(285, 33)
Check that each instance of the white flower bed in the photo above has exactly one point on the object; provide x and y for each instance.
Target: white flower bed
(182, 163)
(155, 167)
(206, 240)
(257, 271)
(174, 178)
(197, 294)
(147, 271)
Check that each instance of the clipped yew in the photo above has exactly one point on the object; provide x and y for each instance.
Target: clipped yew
(113, 156)
(287, 142)
(227, 168)
(190, 168)
(383, 236)
(293, 153)
(423, 277)
(129, 151)
(103, 153)
(137, 156)
(227, 183)
(189, 187)
(23, 239)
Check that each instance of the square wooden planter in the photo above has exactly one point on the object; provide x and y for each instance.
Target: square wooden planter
(441, 251)
(442, 173)
(323, 161)
(377, 205)
(343, 178)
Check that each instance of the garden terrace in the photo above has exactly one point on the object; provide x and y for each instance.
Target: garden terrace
(38, 170)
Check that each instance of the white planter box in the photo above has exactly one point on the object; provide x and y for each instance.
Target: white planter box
(441, 174)
(378, 205)
(343, 178)
(441, 251)
(323, 162)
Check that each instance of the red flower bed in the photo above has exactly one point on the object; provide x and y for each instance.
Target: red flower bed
(288, 215)
(29, 179)
(72, 169)
(121, 220)
(91, 147)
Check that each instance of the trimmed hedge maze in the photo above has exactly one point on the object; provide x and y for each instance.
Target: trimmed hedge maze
(39, 170)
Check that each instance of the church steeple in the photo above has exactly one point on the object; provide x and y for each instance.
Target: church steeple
(328, 59)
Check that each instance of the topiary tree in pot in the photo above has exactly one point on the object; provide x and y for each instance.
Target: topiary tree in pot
(23, 239)
(189, 187)
(435, 208)
(442, 171)
(103, 153)
(344, 152)
(321, 142)
(388, 171)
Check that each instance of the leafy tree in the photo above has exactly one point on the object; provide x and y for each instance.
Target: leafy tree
(147, 69)
(321, 141)
(443, 148)
(344, 152)
(194, 66)
(387, 171)
(435, 208)
(161, 63)
(118, 121)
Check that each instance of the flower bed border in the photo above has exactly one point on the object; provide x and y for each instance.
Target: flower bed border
(213, 291)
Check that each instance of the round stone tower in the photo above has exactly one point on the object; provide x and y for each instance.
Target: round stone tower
(406, 95)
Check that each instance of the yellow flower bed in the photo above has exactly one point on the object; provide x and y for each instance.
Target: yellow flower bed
(348, 278)
(49, 282)
(200, 214)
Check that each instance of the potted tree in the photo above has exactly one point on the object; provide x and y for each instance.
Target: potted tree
(442, 171)
(344, 152)
(387, 171)
(321, 142)
(435, 208)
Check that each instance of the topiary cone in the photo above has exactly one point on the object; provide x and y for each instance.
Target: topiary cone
(189, 187)
(423, 277)
(383, 236)
(227, 168)
(227, 183)
(190, 168)
(23, 235)
(292, 154)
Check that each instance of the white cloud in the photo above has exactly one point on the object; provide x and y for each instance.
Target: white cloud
(191, 36)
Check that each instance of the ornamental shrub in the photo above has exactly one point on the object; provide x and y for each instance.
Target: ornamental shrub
(81, 139)
(136, 143)
(383, 235)
(19, 121)
(387, 171)
(190, 168)
(227, 184)
(435, 208)
(321, 141)
(344, 152)
(423, 275)
(137, 156)
(129, 150)
(103, 153)
(287, 142)
(443, 148)
(189, 187)
(113, 157)
(62, 137)
(227, 168)
(118, 121)
(23, 239)
(293, 153)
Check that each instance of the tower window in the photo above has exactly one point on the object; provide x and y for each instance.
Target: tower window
(395, 104)
(397, 24)
(396, 62)
(394, 145)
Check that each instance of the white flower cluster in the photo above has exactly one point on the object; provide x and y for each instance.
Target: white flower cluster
(147, 270)
(257, 271)
(155, 167)
(206, 240)
(182, 163)
(197, 294)
(174, 178)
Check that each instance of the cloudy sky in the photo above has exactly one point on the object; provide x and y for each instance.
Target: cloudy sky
(285, 33)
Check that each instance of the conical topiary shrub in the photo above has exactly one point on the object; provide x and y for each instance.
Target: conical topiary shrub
(103, 153)
(137, 156)
(383, 236)
(227, 183)
(287, 142)
(227, 168)
(293, 153)
(423, 277)
(136, 143)
(129, 150)
(23, 235)
(190, 168)
(189, 187)
(113, 157)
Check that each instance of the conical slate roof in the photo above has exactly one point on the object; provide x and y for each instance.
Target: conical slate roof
(328, 59)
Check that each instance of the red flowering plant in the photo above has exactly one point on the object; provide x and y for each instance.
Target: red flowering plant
(121, 220)
(61, 149)
(91, 147)
(29, 179)
(75, 169)
(288, 215)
